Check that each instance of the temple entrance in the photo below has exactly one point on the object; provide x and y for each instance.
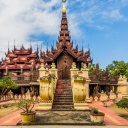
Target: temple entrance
(64, 63)
(65, 71)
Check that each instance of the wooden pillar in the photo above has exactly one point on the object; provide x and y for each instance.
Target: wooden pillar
(33, 90)
(115, 88)
(36, 91)
(97, 88)
(107, 89)
(22, 90)
(6, 70)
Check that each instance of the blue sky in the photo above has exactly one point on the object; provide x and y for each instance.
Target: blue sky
(102, 25)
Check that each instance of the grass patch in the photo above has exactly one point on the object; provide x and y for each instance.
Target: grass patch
(121, 112)
(8, 109)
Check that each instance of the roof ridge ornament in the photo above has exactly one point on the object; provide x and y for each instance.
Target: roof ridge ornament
(64, 6)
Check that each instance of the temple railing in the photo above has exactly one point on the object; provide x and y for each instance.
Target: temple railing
(19, 97)
(80, 87)
(48, 80)
(102, 97)
(24, 79)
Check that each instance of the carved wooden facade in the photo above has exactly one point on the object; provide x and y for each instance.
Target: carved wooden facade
(102, 81)
(64, 55)
(22, 65)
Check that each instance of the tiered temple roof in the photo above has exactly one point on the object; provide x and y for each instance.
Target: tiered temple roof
(64, 43)
(20, 58)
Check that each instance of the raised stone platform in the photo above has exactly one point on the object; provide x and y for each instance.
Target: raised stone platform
(61, 118)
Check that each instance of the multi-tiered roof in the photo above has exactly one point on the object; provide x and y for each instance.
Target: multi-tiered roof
(64, 43)
(25, 58)
(20, 58)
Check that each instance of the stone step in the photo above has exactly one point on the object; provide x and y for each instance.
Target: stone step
(63, 103)
(63, 85)
(62, 107)
(63, 100)
(63, 90)
(62, 95)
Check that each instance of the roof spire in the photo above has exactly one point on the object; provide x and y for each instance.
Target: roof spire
(37, 46)
(47, 49)
(64, 6)
(82, 46)
(8, 46)
(30, 43)
(14, 43)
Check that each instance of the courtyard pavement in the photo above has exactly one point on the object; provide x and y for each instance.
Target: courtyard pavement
(63, 126)
(111, 119)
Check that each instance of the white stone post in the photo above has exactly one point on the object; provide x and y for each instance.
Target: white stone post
(85, 74)
(42, 71)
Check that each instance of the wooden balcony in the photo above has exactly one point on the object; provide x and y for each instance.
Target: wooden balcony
(23, 79)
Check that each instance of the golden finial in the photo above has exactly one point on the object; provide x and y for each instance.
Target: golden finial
(64, 6)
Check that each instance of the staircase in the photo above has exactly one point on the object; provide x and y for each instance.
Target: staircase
(63, 99)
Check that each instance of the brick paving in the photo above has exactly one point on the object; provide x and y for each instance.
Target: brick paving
(111, 118)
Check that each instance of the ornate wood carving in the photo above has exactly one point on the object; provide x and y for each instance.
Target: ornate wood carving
(64, 63)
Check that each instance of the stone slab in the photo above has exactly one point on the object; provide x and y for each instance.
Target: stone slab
(61, 118)
(63, 126)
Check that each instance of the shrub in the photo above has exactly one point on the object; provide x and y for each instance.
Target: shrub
(123, 104)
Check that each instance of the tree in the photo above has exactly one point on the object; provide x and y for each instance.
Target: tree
(25, 105)
(119, 67)
(123, 104)
(5, 85)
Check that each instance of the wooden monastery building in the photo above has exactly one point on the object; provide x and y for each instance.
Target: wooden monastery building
(22, 65)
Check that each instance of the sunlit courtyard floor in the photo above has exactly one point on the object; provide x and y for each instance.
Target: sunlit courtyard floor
(62, 117)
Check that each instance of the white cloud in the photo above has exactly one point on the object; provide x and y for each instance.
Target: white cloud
(115, 15)
(20, 20)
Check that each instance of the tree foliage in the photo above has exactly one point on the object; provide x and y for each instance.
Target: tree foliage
(6, 84)
(119, 67)
(123, 104)
(25, 105)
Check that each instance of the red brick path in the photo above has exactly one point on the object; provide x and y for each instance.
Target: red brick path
(111, 118)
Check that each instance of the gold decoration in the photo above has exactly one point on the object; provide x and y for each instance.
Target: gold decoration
(64, 6)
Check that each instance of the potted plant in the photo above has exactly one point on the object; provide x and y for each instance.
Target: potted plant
(26, 105)
(96, 116)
